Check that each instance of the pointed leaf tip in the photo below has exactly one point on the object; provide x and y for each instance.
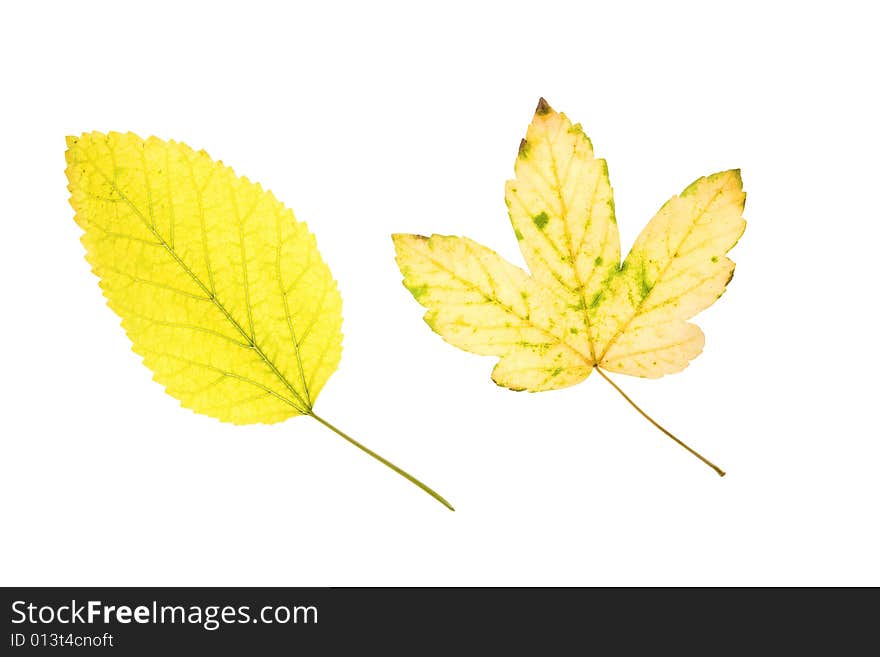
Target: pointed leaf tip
(543, 107)
(399, 238)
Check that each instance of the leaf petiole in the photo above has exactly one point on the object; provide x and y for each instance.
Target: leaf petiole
(720, 472)
(401, 472)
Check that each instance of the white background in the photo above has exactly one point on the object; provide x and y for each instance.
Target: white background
(373, 118)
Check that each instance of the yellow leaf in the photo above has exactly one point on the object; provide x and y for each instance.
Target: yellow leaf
(580, 308)
(675, 269)
(481, 303)
(220, 289)
(562, 210)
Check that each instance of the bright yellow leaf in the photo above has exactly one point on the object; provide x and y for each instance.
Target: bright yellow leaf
(220, 289)
(580, 308)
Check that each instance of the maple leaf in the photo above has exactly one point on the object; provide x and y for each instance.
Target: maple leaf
(221, 290)
(580, 309)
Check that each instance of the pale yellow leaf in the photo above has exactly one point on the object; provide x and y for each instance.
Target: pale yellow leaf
(676, 268)
(562, 210)
(481, 303)
(580, 307)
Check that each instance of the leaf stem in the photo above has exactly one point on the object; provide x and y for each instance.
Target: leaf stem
(720, 472)
(401, 472)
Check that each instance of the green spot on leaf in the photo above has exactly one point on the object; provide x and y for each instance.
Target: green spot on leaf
(598, 261)
(714, 258)
(556, 372)
(541, 220)
(644, 285)
(417, 290)
(519, 235)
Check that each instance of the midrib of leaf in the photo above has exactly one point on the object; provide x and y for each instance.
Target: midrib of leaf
(563, 207)
(251, 341)
(638, 309)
